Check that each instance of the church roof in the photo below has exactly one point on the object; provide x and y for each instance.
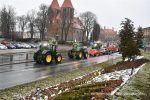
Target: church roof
(67, 4)
(55, 4)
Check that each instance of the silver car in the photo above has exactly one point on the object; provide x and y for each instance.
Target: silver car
(2, 47)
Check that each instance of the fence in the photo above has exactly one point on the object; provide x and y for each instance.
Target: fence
(16, 57)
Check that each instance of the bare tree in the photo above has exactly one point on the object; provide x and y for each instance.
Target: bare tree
(22, 22)
(31, 17)
(42, 20)
(67, 20)
(8, 21)
(88, 19)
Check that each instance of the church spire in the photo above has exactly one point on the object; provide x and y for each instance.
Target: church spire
(55, 4)
(67, 4)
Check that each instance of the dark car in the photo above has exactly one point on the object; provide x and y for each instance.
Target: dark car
(18, 45)
(10, 46)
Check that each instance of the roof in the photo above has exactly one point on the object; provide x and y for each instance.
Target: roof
(55, 4)
(67, 4)
(108, 31)
(77, 23)
(146, 28)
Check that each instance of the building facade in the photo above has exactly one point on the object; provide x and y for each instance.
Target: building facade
(108, 35)
(62, 24)
(146, 32)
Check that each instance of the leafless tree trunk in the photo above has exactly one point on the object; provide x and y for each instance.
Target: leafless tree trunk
(88, 19)
(42, 20)
(31, 19)
(22, 22)
(67, 19)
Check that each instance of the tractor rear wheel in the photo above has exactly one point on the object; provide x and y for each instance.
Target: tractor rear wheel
(58, 58)
(47, 58)
(35, 57)
(79, 55)
(86, 55)
(70, 55)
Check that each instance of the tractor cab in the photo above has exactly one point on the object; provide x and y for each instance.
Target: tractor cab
(48, 46)
(77, 46)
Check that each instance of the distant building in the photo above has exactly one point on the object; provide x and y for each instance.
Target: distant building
(27, 35)
(108, 35)
(62, 21)
(147, 34)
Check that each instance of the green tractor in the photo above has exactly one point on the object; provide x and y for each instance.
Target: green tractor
(78, 52)
(47, 53)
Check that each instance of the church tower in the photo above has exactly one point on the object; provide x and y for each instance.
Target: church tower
(67, 14)
(67, 10)
(53, 12)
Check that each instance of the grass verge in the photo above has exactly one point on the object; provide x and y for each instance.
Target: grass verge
(138, 86)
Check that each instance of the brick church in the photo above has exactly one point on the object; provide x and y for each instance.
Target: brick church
(63, 26)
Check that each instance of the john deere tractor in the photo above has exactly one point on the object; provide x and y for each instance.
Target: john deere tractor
(78, 52)
(47, 53)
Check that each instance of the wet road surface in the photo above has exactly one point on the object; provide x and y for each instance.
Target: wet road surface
(16, 74)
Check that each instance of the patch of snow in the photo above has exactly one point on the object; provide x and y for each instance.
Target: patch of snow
(124, 75)
(46, 98)
(52, 95)
(126, 79)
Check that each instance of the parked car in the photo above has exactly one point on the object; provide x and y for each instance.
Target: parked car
(10, 46)
(95, 52)
(18, 45)
(4, 42)
(104, 51)
(26, 46)
(33, 45)
(112, 49)
(2, 47)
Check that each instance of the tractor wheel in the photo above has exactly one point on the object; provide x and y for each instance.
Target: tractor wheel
(47, 58)
(70, 55)
(35, 57)
(79, 55)
(86, 55)
(58, 58)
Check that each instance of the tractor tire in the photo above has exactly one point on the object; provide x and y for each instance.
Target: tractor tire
(35, 57)
(86, 55)
(79, 55)
(58, 58)
(47, 58)
(70, 55)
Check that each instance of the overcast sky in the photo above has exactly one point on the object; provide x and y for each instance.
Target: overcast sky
(110, 13)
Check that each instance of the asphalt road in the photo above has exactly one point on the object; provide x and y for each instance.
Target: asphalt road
(16, 74)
